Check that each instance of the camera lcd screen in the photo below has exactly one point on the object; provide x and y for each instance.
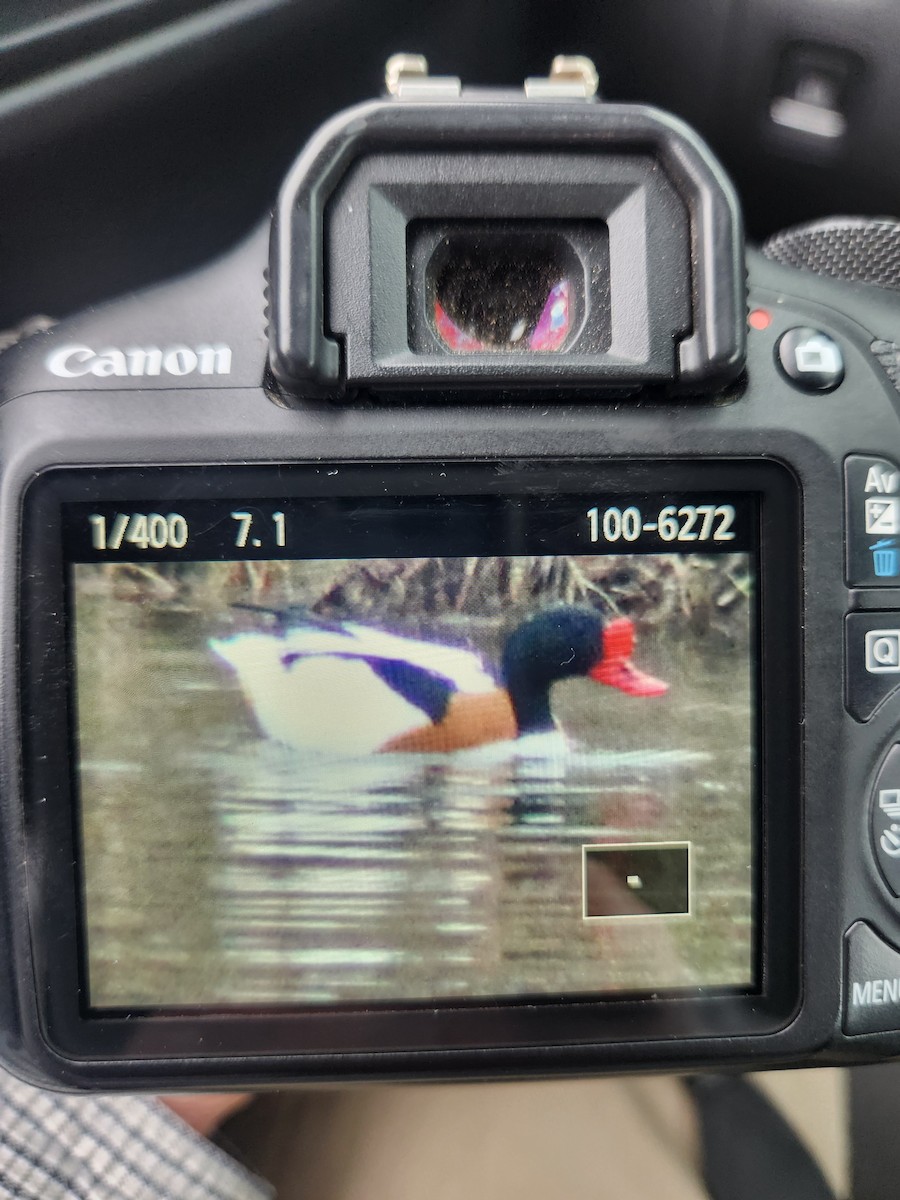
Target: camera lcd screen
(370, 750)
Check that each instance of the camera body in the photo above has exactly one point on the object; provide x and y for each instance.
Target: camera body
(335, 458)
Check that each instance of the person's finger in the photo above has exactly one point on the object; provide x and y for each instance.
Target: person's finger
(205, 1111)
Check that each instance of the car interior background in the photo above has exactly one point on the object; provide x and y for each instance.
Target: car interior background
(139, 139)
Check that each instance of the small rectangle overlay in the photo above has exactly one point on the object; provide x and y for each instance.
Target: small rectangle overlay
(641, 879)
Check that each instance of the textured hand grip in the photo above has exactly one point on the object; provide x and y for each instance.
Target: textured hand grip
(851, 248)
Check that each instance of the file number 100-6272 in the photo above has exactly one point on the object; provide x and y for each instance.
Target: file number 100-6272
(689, 523)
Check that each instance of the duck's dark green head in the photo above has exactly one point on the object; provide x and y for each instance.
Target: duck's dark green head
(565, 642)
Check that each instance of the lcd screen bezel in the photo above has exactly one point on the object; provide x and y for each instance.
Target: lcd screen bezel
(51, 819)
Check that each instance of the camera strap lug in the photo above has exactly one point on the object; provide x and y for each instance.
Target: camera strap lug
(571, 77)
(406, 78)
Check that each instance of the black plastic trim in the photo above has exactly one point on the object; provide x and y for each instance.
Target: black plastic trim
(494, 1029)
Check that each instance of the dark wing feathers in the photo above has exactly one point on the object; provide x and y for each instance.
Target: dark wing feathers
(425, 689)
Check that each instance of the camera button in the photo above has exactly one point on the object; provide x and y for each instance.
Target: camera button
(872, 653)
(872, 996)
(811, 359)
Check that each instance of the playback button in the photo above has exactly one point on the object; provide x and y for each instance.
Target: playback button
(886, 819)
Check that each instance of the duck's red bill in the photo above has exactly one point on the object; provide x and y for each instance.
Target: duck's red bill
(627, 678)
(616, 669)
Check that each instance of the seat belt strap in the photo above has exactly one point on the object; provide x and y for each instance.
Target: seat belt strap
(749, 1151)
(874, 1145)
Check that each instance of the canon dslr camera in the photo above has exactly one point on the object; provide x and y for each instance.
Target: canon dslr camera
(457, 634)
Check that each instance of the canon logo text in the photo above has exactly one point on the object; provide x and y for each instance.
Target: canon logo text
(73, 361)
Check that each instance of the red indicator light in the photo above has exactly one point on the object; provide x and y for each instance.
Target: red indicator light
(759, 318)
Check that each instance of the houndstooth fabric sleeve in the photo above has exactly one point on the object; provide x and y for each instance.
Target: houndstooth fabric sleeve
(57, 1147)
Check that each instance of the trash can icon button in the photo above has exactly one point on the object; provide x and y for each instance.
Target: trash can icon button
(885, 558)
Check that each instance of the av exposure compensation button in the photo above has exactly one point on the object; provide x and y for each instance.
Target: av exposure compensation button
(812, 360)
(872, 996)
(872, 521)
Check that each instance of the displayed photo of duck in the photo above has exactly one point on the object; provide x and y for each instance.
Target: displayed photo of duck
(372, 781)
(350, 688)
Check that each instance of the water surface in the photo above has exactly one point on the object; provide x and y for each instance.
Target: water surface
(221, 867)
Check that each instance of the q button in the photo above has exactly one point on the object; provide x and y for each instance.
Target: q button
(872, 661)
(883, 651)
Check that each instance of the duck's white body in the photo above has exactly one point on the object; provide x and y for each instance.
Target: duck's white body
(319, 689)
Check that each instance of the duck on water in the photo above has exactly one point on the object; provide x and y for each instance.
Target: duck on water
(348, 688)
